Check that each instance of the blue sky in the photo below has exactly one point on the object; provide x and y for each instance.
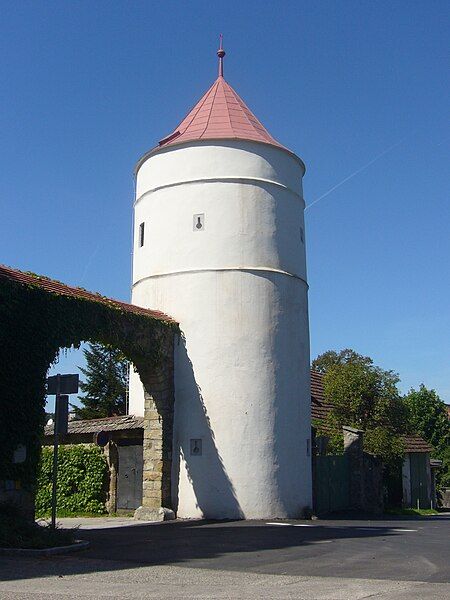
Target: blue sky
(87, 87)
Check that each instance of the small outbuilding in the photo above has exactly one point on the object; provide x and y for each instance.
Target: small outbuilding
(419, 474)
(122, 440)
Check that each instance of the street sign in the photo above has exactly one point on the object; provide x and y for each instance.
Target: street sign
(68, 384)
(62, 414)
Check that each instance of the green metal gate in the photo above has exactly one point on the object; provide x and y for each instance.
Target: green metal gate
(332, 483)
(420, 497)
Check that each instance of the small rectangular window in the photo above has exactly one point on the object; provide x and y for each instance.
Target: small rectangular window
(141, 234)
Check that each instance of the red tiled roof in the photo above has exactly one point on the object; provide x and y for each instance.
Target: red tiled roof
(320, 409)
(220, 114)
(55, 287)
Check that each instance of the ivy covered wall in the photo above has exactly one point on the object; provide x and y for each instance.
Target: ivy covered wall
(82, 480)
(39, 316)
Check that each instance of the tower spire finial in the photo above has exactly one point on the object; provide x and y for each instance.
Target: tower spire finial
(221, 54)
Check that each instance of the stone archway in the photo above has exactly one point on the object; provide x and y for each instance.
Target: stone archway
(38, 316)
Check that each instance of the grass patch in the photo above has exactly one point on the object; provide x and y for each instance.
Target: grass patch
(418, 512)
(18, 532)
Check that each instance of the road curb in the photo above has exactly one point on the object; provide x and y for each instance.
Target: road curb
(78, 545)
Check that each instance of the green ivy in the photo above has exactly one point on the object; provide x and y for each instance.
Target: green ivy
(82, 480)
(34, 325)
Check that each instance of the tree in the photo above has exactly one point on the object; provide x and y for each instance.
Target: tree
(331, 358)
(105, 388)
(364, 396)
(427, 415)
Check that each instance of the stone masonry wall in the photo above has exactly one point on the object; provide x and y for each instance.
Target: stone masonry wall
(366, 488)
(158, 439)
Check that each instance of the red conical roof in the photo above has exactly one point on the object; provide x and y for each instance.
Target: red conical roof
(220, 114)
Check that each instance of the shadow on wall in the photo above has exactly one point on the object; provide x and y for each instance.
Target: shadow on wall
(292, 409)
(214, 492)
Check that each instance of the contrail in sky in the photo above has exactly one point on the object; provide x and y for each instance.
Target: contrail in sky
(356, 172)
(89, 261)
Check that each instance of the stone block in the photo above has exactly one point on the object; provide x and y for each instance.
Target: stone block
(158, 466)
(150, 486)
(151, 476)
(144, 513)
(151, 495)
(157, 446)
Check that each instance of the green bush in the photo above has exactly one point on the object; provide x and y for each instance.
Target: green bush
(82, 480)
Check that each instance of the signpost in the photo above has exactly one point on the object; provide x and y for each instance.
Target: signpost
(60, 386)
(68, 384)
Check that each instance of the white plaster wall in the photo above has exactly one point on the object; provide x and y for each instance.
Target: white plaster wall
(223, 159)
(406, 481)
(247, 225)
(238, 289)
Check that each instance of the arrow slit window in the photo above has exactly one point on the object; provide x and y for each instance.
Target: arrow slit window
(141, 234)
(199, 222)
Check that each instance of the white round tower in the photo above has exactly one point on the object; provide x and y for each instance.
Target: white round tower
(220, 246)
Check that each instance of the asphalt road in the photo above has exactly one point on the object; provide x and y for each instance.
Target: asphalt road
(327, 560)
